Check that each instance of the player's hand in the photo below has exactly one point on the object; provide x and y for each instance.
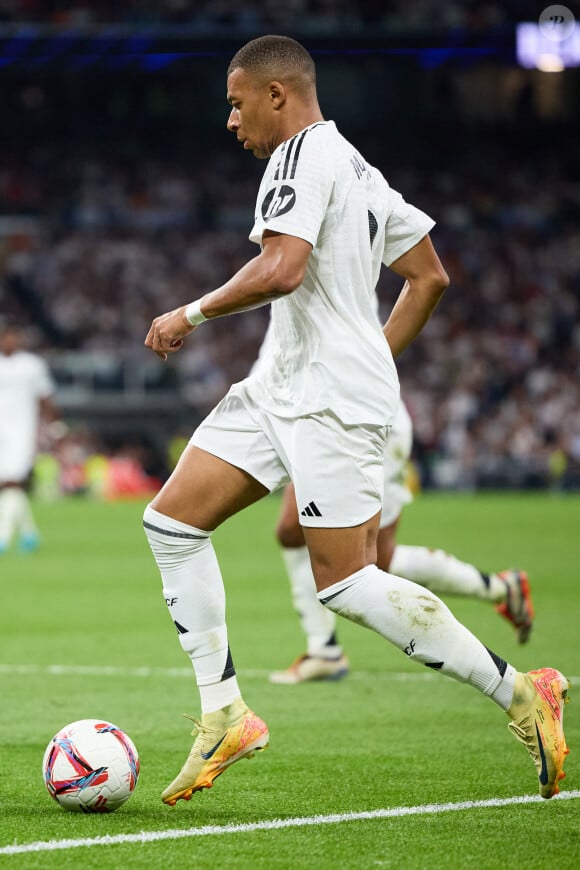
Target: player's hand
(167, 332)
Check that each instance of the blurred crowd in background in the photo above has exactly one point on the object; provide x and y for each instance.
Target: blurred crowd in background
(98, 237)
(327, 16)
(493, 382)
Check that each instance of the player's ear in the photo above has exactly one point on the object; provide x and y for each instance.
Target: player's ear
(277, 94)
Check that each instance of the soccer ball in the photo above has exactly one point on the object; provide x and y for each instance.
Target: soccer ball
(90, 766)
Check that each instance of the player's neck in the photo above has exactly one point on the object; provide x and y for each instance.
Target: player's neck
(301, 120)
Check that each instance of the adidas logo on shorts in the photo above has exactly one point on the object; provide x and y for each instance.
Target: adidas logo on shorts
(310, 511)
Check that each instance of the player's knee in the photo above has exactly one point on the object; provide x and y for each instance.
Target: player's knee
(289, 534)
(171, 541)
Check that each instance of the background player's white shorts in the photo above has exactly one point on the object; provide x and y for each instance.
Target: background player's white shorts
(16, 455)
(337, 470)
(397, 452)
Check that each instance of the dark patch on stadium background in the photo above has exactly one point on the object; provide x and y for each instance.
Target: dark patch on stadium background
(278, 201)
(161, 46)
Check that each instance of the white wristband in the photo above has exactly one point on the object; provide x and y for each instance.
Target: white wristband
(193, 313)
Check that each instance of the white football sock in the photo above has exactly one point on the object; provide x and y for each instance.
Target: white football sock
(445, 574)
(194, 593)
(7, 516)
(26, 525)
(15, 514)
(317, 621)
(420, 624)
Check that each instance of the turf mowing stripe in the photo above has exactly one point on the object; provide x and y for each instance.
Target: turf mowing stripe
(277, 824)
(115, 671)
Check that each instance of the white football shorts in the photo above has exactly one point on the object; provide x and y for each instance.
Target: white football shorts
(337, 470)
(16, 455)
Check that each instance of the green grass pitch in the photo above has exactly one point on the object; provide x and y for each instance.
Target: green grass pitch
(391, 735)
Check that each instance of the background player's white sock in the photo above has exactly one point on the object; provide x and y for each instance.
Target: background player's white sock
(15, 515)
(317, 621)
(420, 624)
(7, 517)
(26, 524)
(194, 593)
(445, 574)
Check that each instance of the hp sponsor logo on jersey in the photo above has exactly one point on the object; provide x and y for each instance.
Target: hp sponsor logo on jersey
(278, 201)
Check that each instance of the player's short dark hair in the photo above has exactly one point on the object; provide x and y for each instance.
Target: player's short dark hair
(276, 58)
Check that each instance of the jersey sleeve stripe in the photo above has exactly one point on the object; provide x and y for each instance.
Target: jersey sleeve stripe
(292, 146)
(277, 173)
(297, 153)
(289, 150)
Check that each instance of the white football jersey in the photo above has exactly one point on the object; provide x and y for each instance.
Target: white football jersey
(327, 349)
(24, 380)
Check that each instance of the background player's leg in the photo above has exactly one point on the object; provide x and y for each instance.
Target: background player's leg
(8, 519)
(16, 518)
(324, 658)
(444, 574)
(29, 538)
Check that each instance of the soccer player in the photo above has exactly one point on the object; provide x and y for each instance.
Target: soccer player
(440, 572)
(315, 414)
(26, 391)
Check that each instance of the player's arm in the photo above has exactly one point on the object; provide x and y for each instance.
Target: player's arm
(277, 271)
(425, 283)
(48, 410)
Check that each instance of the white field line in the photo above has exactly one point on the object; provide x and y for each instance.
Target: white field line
(276, 824)
(187, 673)
(181, 672)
